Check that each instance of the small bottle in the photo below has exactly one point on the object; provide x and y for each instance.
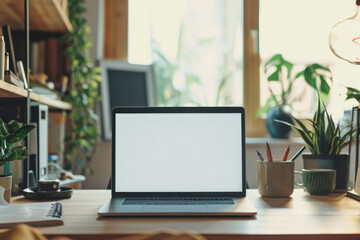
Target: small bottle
(2, 58)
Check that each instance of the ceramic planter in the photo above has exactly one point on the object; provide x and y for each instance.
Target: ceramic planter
(341, 163)
(6, 182)
(276, 129)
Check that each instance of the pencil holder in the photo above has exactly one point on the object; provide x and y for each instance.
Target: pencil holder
(275, 179)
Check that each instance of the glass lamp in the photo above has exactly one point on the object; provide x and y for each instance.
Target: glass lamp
(344, 41)
(344, 38)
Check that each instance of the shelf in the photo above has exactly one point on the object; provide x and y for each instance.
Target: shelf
(11, 91)
(52, 103)
(45, 15)
(274, 141)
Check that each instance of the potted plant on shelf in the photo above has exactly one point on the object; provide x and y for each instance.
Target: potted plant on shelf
(11, 134)
(325, 141)
(278, 106)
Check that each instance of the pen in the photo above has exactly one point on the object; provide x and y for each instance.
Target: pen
(297, 154)
(286, 154)
(261, 157)
(268, 152)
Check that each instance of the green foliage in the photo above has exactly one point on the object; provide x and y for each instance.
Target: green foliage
(85, 79)
(11, 134)
(280, 70)
(353, 93)
(324, 138)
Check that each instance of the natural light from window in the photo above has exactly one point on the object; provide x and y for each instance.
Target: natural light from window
(299, 30)
(194, 46)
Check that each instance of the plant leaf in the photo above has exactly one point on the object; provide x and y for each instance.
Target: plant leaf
(308, 76)
(3, 129)
(13, 126)
(21, 152)
(302, 131)
(12, 138)
(274, 76)
(324, 86)
(9, 156)
(353, 93)
(24, 131)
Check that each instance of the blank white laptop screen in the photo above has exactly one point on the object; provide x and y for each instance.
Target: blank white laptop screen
(178, 152)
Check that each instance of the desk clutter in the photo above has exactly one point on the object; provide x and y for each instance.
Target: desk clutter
(276, 176)
(49, 189)
(35, 214)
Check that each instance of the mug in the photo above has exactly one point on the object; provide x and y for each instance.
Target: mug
(275, 179)
(318, 181)
(50, 185)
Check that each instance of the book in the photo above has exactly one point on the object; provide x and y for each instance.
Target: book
(34, 57)
(34, 214)
(9, 46)
(10, 77)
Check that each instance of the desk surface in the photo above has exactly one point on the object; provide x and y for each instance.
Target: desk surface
(300, 217)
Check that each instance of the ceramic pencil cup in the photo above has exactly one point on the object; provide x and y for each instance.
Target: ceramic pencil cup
(275, 179)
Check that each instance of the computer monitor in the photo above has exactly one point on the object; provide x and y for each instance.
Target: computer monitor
(124, 84)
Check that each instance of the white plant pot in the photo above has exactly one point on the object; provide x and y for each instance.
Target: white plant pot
(6, 182)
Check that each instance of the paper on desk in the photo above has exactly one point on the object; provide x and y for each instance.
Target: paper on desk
(2, 199)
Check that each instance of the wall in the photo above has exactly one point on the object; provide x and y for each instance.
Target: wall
(101, 163)
(95, 19)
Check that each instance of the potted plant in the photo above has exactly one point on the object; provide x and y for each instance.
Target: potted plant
(11, 134)
(325, 141)
(278, 106)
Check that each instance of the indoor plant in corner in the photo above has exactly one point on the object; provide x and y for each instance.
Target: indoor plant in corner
(11, 134)
(278, 106)
(325, 141)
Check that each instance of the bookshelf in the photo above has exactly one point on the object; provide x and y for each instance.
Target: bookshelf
(48, 17)
(44, 15)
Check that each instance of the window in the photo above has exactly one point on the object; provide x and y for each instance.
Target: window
(195, 47)
(300, 30)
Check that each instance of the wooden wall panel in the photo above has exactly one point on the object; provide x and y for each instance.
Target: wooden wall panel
(255, 127)
(116, 29)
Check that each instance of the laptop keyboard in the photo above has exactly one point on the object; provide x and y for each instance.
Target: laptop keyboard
(178, 201)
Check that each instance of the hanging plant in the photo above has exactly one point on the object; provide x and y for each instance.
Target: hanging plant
(81, 142)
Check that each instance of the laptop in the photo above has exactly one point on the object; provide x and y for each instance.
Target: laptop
(176, 161)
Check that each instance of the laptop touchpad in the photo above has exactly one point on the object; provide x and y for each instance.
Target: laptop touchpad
(174, 208)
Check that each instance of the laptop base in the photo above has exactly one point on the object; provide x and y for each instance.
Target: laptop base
(114, 207)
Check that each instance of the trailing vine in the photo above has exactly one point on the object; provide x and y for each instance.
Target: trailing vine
(81, 141)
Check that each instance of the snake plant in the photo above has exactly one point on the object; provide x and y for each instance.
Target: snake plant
(323, 137)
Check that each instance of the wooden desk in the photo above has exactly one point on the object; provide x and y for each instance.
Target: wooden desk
(300, 217)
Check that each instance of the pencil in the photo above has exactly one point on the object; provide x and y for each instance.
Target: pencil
(260, 157)
(297, 154)
(286, 154)
(268, 152)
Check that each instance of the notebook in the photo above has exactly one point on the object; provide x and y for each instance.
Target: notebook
(178, 161)
(34, 214)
